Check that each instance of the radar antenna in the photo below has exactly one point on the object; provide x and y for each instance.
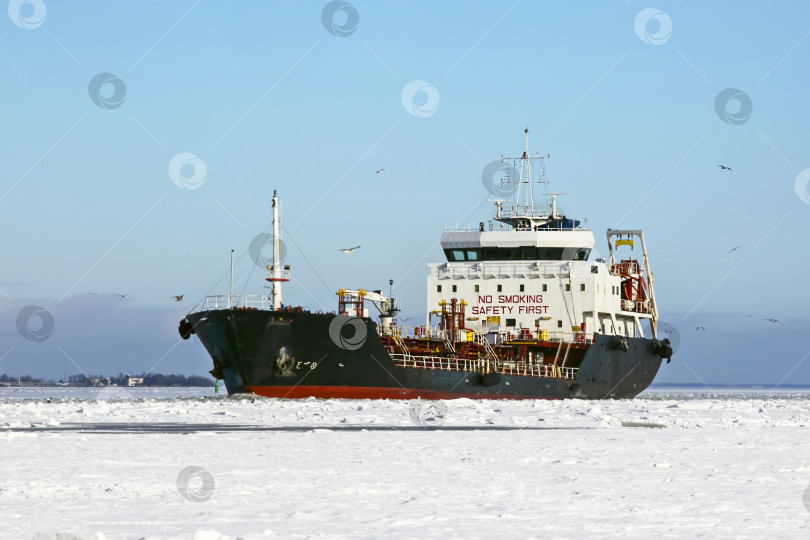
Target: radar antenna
(523, 214)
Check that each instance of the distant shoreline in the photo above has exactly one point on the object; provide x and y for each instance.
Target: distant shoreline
(159, 380)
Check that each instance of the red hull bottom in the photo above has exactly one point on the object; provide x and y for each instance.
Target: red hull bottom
(363, 392)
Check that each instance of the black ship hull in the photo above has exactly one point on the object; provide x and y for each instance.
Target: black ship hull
(299, 354)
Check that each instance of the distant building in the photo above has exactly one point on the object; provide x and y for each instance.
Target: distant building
(133, 381)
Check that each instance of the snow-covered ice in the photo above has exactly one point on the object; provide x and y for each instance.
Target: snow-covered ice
(186, 463)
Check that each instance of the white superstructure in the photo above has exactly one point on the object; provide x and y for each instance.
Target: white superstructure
(531, 274)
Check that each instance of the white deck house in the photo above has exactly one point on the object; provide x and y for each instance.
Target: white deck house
(531, 274)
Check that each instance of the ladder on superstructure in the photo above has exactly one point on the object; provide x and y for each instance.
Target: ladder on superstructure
(481, 339)
(449, 345)
(401, 344)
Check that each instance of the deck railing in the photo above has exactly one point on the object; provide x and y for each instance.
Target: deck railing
(505, 269)
(280, 275)
(247, 301)
(483, 366)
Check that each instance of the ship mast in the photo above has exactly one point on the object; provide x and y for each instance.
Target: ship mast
(276, 252)
(276, 273)
(522, 214)
(526, 177)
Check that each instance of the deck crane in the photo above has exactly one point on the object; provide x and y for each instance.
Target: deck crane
(350, 302)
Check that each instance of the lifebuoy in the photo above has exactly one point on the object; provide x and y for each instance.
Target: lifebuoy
(580, 337)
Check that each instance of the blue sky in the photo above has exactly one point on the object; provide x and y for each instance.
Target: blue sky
(267, 98)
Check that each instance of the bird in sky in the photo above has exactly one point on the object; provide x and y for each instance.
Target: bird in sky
(349, 250)
(123, 295)
(723, 167)
(749, 315)
(668, 331)
(93, 293)
(734, 249)
(380, 171)
(178, 298)
(700, 328)
(771, 320)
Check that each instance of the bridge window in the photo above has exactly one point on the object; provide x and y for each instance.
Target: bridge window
(545, 287)
(500, 288)
(510, 322)
(438, 288)
(523, 253)
(521, 287)
(455, 289)
(476, 288)
(458, 255)
(581, 287)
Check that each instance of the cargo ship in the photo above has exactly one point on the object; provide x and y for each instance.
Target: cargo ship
(518, 310)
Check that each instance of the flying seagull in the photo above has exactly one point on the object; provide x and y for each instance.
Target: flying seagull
(349, 250)
(93, 293)
(771, 320)
(734, 249)
(178, 298)
(123, 295)
(700, 328)
(724, 167)
(379, 171)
